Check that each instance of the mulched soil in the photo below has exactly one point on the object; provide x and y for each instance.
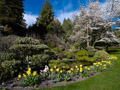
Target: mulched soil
(44, 84)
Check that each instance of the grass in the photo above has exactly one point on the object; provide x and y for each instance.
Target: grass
(109, 80)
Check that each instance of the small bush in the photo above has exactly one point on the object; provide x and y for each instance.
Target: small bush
(101, 55)
(11, 67)
(69, 55)
(91, 51)
(82, 55)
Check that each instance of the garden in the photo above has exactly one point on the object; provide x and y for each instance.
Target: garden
(78, 54)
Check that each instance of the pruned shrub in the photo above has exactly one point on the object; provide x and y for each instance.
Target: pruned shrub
(10, 67)
(82, 55)
(91, 51)
(101, 55)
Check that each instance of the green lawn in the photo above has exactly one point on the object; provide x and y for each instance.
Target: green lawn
(109, 80)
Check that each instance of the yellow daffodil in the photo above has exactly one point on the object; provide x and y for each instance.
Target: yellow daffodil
(104, 65)
(77, 69)
(94, 63)
(34, 73)
(57, 69)
(24, 75)
(28, 72)
(51, 70)
(80, 65)
(29, 69)
(71, 69)
(76, 66)
(61, 71)
(88, 68)
(99, 63)
(80, 70)
(19, 76)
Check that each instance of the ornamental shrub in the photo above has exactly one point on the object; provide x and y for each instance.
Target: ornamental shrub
(91, 51)
(11, 67)
(101, 55)
(82, 55)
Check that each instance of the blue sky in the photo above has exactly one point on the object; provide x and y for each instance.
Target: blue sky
(62, 9)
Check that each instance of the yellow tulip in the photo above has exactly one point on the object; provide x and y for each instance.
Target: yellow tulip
(61, 71)
(80, 70)
(29, 69)
(24, 75)
(80, 65)
(28, 72)
(76, 66)
(51, 70)
(19, 76)
(34, 73)
(88, 68)
(57, 69)
(71, 69)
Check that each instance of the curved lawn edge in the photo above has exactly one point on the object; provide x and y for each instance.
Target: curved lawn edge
(109, 80)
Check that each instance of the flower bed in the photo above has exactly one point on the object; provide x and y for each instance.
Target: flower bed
(59, 76)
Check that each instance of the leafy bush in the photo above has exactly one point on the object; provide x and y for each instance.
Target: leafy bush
(56, 50)
(91, 51)
(101, 55)
(11, 67)
(69, 55)
(7, 56)
(39, 59)
(82, 55)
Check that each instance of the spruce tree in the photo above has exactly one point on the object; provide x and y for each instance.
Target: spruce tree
(11, 14)
(46, 19)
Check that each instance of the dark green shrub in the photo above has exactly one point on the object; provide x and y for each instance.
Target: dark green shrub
(7, 56)
(11, 67)
(39, 59)
(56, 50)
(91, 51)
(82, 55)
(101, 55)
(69, 55)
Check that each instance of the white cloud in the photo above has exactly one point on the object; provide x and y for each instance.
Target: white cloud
(30, 19)
(62, 15)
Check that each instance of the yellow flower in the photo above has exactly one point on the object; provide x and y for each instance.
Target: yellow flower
(28, 72)
(51, 70)
(63, 66)
(61, 71)
(29, 69)
(104, 65)
(99, 63)
(94, 63)
(80, 65)
(57, 69)
(80, 70)
(19, 76)
(71, 69)
(24, 75)
(76, 66)
(34, 73)
(88, 68)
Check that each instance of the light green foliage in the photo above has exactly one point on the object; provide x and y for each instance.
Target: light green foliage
(11, 67)
(7, 56)
(82, 55)
(27, 40)
(39, 59)
(69, 55)
(91, 51)
(56, 50)
(101, 55)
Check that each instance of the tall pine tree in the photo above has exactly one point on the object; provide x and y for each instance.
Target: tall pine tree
(11, 15)
(46, 19)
